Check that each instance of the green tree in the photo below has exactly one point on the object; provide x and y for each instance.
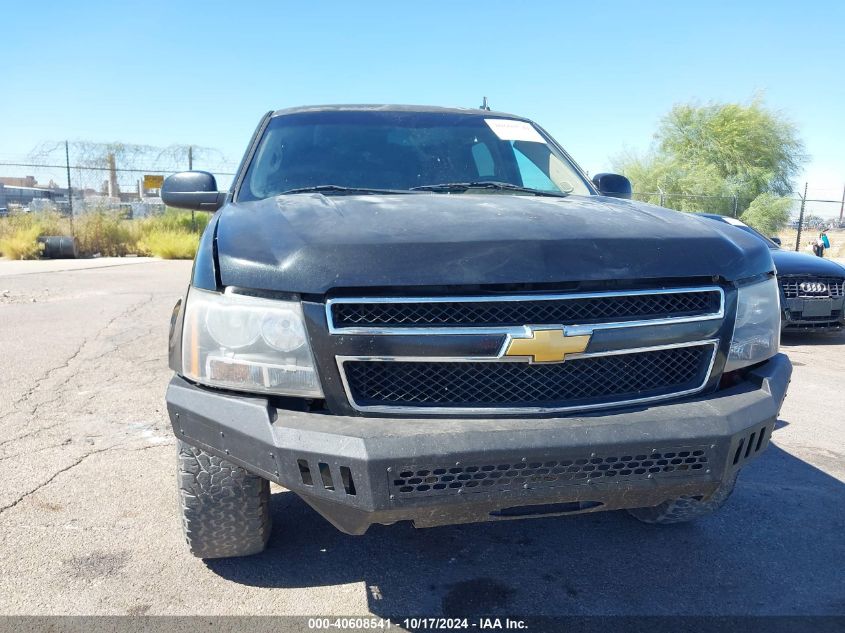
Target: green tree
(721, 150)
(767, 213)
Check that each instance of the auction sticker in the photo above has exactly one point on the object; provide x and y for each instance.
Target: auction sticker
(510, 130)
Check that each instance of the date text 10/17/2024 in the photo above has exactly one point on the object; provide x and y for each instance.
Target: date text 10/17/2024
(430, 624)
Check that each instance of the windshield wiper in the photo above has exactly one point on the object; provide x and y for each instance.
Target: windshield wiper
(459, 187)
(341, 190)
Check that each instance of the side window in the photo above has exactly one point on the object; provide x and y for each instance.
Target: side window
(483, 161)
(532, 175)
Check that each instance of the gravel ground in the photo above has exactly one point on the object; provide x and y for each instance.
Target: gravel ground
(88, 521)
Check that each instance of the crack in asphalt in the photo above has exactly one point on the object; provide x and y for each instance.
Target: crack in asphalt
(148, 297)
(76, 463)
(79, 270)
(50, 479)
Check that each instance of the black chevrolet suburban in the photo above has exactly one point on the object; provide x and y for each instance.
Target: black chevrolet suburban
(432, 315)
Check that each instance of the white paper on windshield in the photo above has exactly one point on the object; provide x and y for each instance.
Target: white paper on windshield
(734, 222)
(510, 130)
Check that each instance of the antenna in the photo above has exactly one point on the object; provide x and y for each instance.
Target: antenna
(484, 105)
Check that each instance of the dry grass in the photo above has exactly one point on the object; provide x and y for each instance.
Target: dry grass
(169, 244)
(21, 244)
(836, 237)
(104, 232)
(19, 233)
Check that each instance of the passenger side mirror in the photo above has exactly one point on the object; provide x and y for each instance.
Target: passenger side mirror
(613, 185)
(194, 190)
(776, 240)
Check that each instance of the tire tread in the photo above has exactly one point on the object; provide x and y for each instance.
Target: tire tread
(686, 508)
(225, 509)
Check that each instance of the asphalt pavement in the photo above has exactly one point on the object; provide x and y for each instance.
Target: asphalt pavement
(89, 524)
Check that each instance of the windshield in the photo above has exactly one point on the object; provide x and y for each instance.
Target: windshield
(402, 151)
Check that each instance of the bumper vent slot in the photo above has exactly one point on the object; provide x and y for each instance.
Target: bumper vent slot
(328, 482)
(749, 446)
(348, 483)
(305, 472)
(326, 476)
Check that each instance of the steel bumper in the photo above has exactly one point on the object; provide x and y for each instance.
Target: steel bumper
(357, 471)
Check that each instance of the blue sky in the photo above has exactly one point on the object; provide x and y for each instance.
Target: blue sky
(598, 76)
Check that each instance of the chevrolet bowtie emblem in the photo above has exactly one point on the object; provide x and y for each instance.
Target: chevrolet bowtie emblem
(546, 346)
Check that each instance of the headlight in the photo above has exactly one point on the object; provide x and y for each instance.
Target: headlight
(247, 343)
(757, 328)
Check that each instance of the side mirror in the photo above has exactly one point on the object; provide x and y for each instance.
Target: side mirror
(613, 185)
(194, 190)
(776, 240)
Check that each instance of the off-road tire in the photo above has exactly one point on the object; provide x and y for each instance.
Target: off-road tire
(225, 509)
(686, 508)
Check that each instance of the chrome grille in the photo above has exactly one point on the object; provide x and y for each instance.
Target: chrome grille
(812, 287)
(403, 376)
(487, 311)
(583, 382)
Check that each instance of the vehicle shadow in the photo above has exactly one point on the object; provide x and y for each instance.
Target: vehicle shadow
(791, 339)
(776, 548)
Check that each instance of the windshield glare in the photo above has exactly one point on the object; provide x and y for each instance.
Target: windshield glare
(403, 150)
(755, 233)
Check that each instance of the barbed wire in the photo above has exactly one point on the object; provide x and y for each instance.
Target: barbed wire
(95, 168)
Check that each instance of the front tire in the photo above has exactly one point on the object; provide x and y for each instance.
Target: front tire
(225, 509)
(687, 507)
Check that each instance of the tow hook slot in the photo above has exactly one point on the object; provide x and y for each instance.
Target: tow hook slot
(547, 509)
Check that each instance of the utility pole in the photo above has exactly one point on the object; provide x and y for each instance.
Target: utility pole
(801, 219)
(191, 168)
(842, 206)
(113, 188)
(69, 190)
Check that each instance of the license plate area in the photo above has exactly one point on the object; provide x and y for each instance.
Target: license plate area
(817, 307)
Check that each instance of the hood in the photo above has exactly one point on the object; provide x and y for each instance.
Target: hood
(796, 263)
(310, 243)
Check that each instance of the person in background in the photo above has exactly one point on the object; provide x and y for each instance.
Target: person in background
(825, 240)
(820, 243)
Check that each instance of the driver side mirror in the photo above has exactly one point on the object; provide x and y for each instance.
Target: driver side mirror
(194, 190)
(613, 185)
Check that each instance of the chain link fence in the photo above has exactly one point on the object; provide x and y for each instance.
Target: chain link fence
(78, 177)
(818, 211)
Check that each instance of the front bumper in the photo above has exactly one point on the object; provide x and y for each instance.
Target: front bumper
(813, 314)
(357, 471)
